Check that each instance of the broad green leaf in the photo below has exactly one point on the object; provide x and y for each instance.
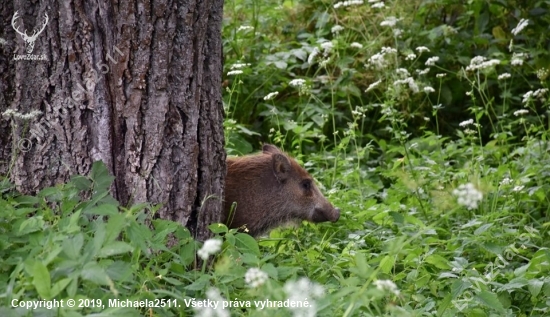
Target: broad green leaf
(458, 287)
(490, 299)
(59, 286)
(438, 261)
(94, 273)
(535, 286)
(41, 280)
(114, 248)
(245, 243)
(218, 228)
(386, 265)
(115, 225)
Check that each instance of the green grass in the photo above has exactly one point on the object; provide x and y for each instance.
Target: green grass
(444, 192)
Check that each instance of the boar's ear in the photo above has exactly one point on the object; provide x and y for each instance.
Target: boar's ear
(270, 149)
(281, 167)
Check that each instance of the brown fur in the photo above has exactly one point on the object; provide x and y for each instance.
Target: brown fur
(270, 189)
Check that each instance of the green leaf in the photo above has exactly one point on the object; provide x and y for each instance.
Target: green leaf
(458, 287)
(32, 224)
(246, 243)
(115, 225)
(386, 265)
(81, 182)
(41, 280)
(535, 286)
(218, 228)
(101, 177)
(200, 284)
(103, 210)
(490, 299)
(438, 261)
(59, 286)
(94, 273)
(114, 248)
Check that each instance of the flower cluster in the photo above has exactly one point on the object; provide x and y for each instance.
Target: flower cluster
(348, 3)
(521, 25)
(410, 81)
(468, 196)
(302, 290)
(387, 286)
(481, 62)
(517, 59)
(378, 60)
(539, 93)
(271, 95)
(216, 310)
(255, 277)
(209, 247)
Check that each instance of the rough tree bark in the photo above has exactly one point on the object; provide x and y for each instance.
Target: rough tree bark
(136, 84)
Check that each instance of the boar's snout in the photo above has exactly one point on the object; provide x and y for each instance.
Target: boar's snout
(321, 215)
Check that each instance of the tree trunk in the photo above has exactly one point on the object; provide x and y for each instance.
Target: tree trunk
(136, 84)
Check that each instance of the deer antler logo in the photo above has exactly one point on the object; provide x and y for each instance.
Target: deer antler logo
(28, 39)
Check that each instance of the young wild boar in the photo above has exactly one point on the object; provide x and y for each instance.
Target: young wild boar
(271, 189)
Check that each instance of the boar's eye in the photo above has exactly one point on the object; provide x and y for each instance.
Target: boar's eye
(306, 184)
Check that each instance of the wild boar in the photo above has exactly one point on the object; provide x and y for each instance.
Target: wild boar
(270, 189)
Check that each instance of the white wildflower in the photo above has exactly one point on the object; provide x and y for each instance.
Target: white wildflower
(481, 62)
(240, 65)
(410, 81)
(410, 57)
(388, 50)
(422, 49)
(387, 285)
(271, 95)
(521, 25)
(441, 75)
(542, 73)
(520, 112)
(216, 309)
(378, 5)
(402, 72)
(506, 181)
(356, 45)
(336, 29)
(423, 71)
(527, 96)
(347, 3)
(428, 89)
(244, 28)
(504, 76)
(255, 277)
(209, 247)
(539, 93)
(517, 59)
(312, 55)
(466, 123)
(390, 21)
(397, 32)
(377, 61)
(300, 291)
(327, 46)
(468, 195)
(297, 82)
(518, 188)
(431, 61)
(373, 85)
(234, 72)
